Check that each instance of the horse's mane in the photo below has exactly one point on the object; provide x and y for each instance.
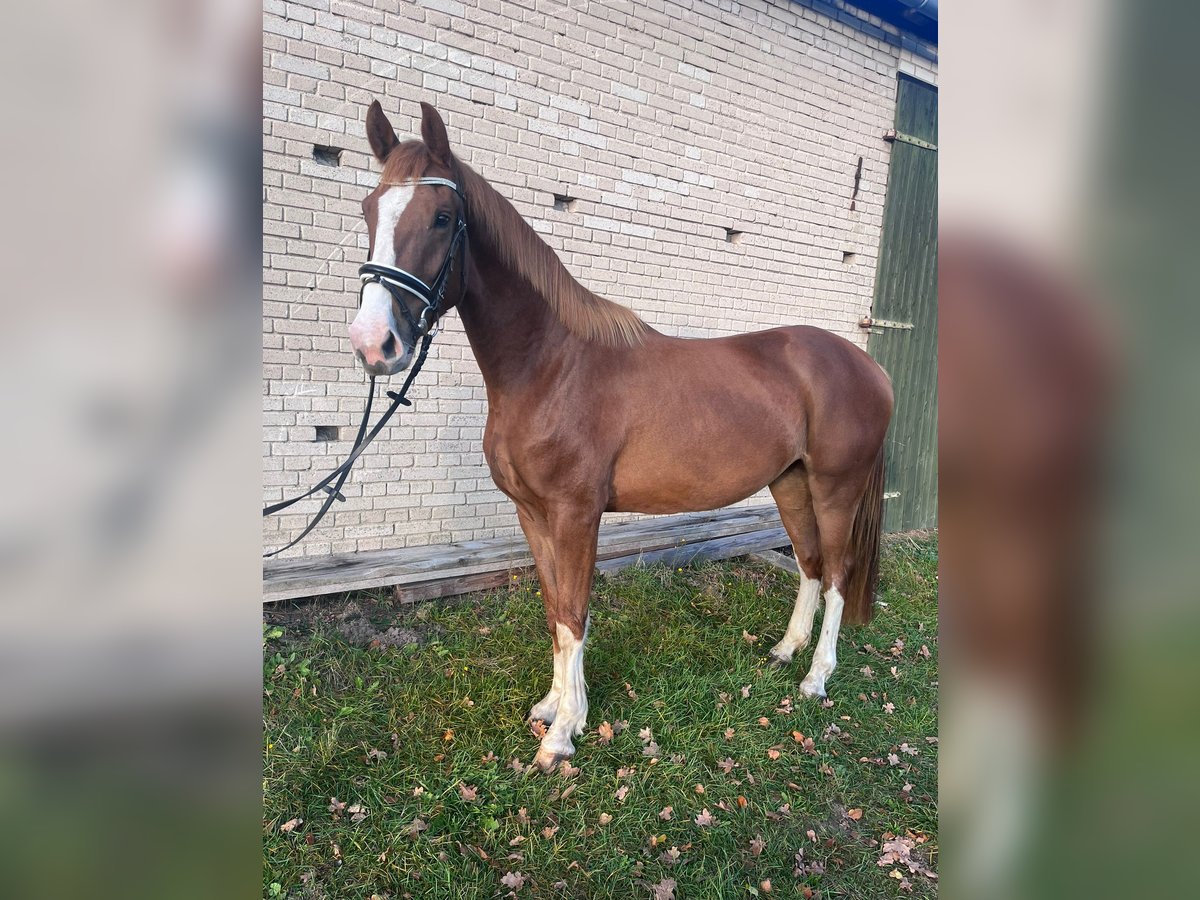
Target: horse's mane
(495, 220)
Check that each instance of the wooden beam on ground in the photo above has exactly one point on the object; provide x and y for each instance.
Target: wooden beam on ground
(417, 568)
(450, 587)
(721, 548)
(779, 560)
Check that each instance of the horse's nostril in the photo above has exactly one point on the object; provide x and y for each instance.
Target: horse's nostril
(389, 347)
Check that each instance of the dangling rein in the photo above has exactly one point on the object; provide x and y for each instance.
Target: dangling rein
(394, 280)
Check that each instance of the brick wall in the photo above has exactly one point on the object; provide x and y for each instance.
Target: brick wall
(670, 122)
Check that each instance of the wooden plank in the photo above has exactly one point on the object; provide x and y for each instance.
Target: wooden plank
(779, 560)
(312, 576)
(450, 587)
(721, 548)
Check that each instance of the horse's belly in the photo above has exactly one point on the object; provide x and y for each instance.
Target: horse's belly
(690, 481)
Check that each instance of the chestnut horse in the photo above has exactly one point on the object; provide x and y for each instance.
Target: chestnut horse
(591, 411)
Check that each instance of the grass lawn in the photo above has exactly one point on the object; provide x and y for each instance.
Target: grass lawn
(412, 718)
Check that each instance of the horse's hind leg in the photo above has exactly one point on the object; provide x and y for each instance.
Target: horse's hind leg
(835, 502)
(794, 500)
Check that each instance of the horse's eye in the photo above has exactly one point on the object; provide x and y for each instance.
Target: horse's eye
(441, 220)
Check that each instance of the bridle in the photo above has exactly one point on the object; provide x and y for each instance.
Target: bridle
(398, 283)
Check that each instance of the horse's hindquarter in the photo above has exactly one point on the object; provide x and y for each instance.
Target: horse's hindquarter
(709, 422)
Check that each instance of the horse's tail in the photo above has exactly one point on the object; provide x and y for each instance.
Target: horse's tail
(864, 550)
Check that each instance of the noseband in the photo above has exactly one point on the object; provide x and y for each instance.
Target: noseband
(399, 282)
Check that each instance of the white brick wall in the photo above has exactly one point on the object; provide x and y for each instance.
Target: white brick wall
(669, 120)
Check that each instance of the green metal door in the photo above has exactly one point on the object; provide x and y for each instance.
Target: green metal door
(904, 312)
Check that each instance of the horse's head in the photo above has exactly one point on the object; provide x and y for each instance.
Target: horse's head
(416, 225)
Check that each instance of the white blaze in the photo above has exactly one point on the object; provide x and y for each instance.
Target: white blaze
(376, 309)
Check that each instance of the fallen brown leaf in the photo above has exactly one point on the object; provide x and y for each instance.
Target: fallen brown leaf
(416, 826)
(514, 880)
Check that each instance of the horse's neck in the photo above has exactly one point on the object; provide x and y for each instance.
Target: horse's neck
(512, 331)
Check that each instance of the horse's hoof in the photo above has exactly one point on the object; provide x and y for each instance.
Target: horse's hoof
(812, 691)
(775, 661)
(548, 760)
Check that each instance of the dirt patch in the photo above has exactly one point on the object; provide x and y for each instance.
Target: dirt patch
(361, 621)
(357, 629)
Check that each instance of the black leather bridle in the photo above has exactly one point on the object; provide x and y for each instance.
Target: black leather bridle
(400, 284)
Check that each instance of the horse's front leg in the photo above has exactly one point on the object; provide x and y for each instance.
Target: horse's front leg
(537, 533)
(573, 536)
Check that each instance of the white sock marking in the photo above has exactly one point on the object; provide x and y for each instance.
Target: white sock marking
(825, 656)
(572, 704)
(799, 630)
(547, 708)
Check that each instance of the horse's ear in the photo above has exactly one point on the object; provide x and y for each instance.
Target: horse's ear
(380, 132)
(433, 133)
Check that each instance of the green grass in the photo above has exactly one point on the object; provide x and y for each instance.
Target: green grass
(676, 638)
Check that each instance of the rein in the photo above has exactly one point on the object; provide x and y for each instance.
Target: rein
(397, 282)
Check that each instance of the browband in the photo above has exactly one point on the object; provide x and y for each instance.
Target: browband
(445, 182)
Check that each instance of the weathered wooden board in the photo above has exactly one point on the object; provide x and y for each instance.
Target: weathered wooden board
(313, 576)
(450, 587)
(779, 560)
(722, 548)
